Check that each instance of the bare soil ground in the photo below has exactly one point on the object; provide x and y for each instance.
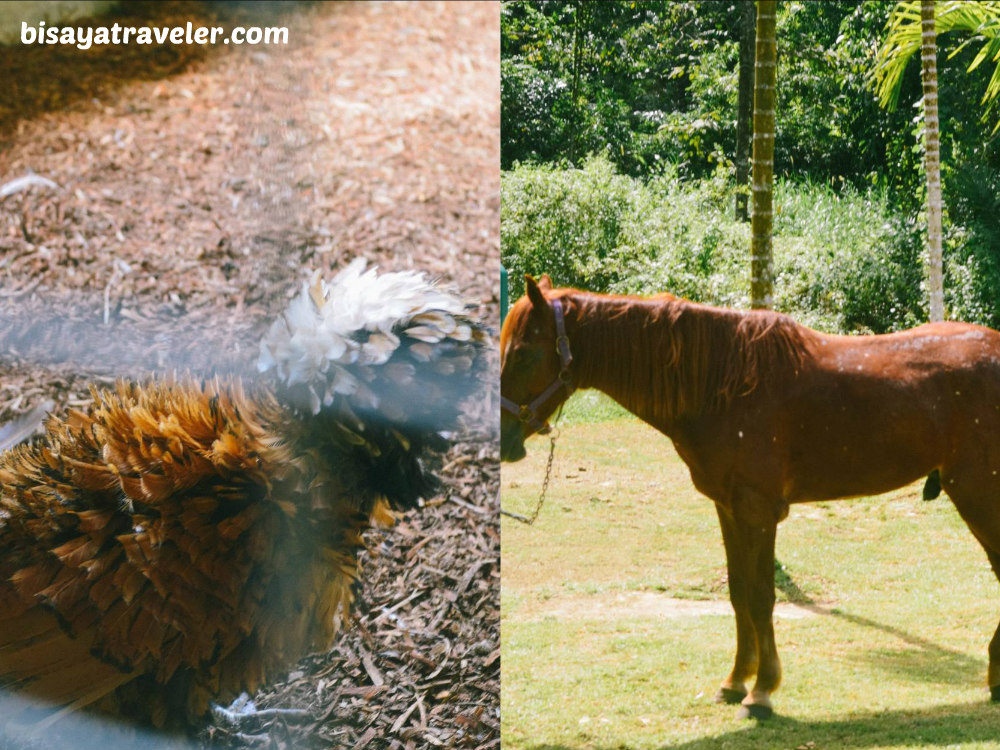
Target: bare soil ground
(197, 188)
(644, 604)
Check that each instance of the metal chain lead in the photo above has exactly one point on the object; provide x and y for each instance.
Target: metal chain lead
(530, 520)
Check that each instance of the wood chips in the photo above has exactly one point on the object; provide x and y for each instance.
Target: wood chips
(197, 188)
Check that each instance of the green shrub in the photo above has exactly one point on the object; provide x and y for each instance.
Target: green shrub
(843, 262)
(573, 224)
(536, 112)
(972, 253)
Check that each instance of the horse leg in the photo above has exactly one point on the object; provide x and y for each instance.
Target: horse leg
(757, 704)
(993, 674)
(734, 688)
(982, 522)
(756, 534)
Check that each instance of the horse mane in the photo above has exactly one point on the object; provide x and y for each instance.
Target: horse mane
(665, 357)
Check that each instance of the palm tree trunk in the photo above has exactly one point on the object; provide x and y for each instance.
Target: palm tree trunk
(762, 218)
(932, 159)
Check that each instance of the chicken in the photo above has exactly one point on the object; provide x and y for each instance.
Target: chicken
(181, 541)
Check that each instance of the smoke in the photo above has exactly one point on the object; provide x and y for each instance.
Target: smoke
(34, 333)
(29, 724)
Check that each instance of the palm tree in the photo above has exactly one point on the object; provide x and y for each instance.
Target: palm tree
(762, 216)
(981, 18)
(916, 25)
(932, 159)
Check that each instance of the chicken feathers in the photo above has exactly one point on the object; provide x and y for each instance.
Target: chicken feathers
(181, 541)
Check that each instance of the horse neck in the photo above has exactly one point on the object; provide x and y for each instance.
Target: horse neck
(618, 349)
(666, 360)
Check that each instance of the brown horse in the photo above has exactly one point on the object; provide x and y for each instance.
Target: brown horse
(767, 413)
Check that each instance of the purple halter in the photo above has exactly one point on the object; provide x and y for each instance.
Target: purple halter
(526, 412)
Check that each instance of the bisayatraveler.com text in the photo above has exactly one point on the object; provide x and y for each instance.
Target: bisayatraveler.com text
(85, 37)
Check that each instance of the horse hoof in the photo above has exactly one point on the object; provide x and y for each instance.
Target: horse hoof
(730, 696)
(995, 694)
(755, 712)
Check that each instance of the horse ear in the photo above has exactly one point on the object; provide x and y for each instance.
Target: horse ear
(545, 283)
(534, 293)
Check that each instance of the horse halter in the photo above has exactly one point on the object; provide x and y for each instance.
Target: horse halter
(526, 412)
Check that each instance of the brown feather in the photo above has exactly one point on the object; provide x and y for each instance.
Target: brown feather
(179, 542)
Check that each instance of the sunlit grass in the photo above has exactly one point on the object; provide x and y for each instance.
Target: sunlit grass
(898, 660)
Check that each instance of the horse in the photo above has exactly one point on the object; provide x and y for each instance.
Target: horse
(766, 413)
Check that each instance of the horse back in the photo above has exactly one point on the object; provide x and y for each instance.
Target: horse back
(932, 351)
(859, 415)
(872, 413)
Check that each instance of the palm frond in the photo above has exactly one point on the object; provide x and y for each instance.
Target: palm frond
(901, 43)
(979, 19)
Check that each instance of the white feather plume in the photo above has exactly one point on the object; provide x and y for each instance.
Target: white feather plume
(355, 321)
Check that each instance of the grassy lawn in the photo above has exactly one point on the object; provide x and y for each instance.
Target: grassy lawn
(889, 652)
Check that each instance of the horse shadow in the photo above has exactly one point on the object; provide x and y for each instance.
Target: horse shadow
(921, 660)
(938, 726)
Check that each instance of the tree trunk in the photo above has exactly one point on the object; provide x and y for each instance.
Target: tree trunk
(762, 219)
(932, 160)
(744, 108)
(575, 90)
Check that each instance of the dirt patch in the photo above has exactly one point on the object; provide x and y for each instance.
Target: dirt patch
(196, 189)
(645, 604)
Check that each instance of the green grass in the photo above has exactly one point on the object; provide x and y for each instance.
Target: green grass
(898, 660)
(591, 406)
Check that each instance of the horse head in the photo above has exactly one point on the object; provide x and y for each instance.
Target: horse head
(534, 366)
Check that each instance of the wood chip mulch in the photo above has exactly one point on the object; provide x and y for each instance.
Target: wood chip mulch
(196, 188)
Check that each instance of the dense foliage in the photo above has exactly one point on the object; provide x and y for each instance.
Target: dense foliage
(845, 260)
(650, 88)
(594, 228)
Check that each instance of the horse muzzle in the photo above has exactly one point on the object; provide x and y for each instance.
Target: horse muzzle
(512, 443)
